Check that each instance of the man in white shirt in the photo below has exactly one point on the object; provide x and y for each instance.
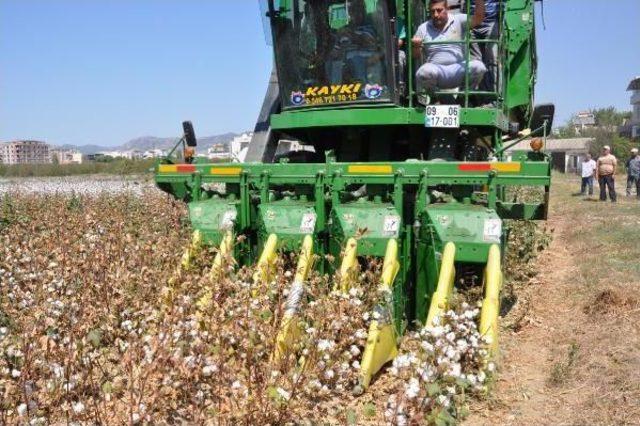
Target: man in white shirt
(588, 172)
(445, 64)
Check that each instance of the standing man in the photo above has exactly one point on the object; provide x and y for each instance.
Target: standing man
(588, 172)
(606, 172)
(489, 29)
(445, 64)
(633, 173)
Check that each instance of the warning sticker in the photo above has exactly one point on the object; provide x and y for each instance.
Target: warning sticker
(492, 230)
(391, 226)
(308, 223)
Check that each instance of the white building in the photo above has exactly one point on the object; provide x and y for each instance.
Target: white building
(153, 153)
(584, 120)
(219, 152)
(24, 152)
(66, 156)
(634, 88)
(132, 154)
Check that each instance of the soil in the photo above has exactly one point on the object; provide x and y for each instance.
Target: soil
(571, 343)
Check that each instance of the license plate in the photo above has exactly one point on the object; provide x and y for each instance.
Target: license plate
(443, 116)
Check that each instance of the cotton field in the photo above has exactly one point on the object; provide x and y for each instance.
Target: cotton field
(97, 327)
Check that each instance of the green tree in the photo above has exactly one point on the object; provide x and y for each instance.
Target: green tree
(610, 116)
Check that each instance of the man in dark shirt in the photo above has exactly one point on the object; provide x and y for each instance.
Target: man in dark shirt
(488, 52)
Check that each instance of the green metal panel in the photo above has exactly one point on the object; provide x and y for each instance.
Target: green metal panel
(289, 219)
(213, 218)
(373, 224)
(473, 229)
(380, 117)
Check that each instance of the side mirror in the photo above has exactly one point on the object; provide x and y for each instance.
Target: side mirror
(542, 113)
(189, 134)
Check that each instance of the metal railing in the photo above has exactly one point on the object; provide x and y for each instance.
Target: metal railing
(498, 93)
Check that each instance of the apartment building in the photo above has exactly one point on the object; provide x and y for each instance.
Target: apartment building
(25, 152)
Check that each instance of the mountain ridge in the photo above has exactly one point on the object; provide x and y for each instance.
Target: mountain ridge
(145, 143)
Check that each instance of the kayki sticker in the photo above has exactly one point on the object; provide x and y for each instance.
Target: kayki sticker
(335, 93)
(372, 91)
(297, 98)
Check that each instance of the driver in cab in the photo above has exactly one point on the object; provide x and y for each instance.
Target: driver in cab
(444, 64)
(355, 48)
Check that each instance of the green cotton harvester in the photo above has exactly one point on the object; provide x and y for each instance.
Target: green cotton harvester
(344, 161)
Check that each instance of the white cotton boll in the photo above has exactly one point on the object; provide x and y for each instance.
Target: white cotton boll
(288, 274)
(401, 420)
(376, 316)
(491, 367)
(412, 389)
(451, 390)
(482, 377)
(455, 370)
(236, 385)
(208, 370)
(462, 345)
(15, 373)
(329, 374)
(78, 407)
(436, 331)
(311, 331)
(401, 361)
(353, 292)
(451, 337)
(355, 365)
(443, 400)
(354, 350)
(22, 409)
(361, 333)
(452, 354)
(284, 394)
(428, 347)
(325, 345)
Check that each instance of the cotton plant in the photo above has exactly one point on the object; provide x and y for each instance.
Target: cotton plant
(437, 367)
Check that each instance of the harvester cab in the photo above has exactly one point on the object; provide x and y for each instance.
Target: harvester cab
(425, 187)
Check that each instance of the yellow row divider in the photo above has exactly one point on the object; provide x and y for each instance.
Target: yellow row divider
(382, 345)
(440, 298)
(348, 268)
(218, 262)
(289, 330)
(491, 303)
(266, 263)
(191, 251)
(217, 269)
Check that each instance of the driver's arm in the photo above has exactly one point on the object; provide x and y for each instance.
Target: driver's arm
(478, 15)
(416, 46)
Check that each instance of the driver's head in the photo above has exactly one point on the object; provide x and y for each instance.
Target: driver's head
(438, 9)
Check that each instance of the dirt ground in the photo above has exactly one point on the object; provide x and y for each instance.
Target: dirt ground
(571, 343)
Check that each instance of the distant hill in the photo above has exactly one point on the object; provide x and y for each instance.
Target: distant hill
(151, 142)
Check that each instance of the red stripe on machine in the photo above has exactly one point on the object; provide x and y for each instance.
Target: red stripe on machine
(471, 167)
(185, 168)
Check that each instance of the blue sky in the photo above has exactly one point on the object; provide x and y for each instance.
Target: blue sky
(106, 71)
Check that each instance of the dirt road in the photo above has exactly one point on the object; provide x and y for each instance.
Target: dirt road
(571, 343)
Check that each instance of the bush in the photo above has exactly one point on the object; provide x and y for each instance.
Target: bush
(115, 167)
